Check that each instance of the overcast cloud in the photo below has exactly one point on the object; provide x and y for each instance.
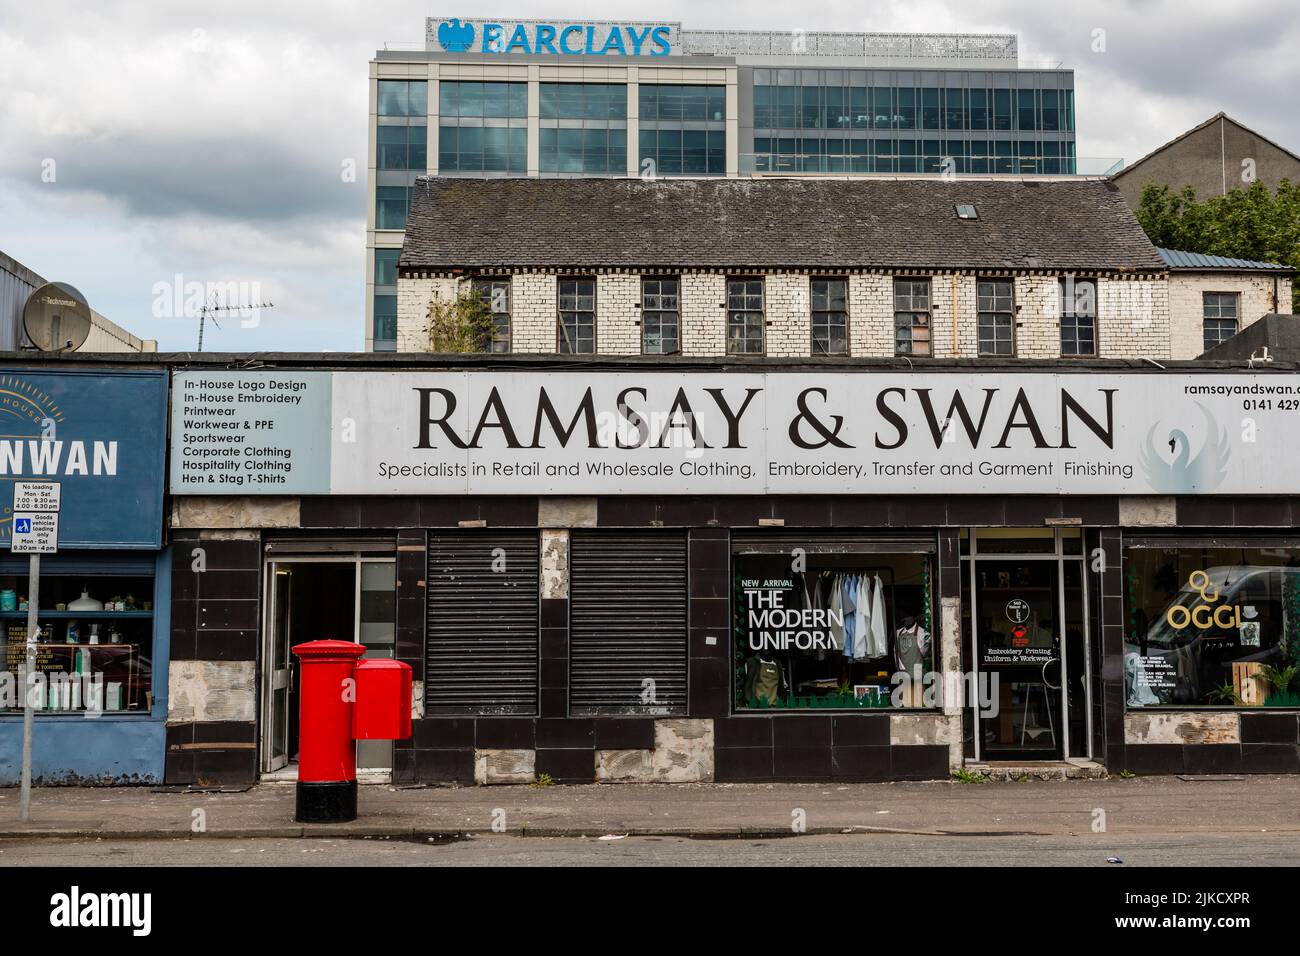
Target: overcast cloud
(208, 140)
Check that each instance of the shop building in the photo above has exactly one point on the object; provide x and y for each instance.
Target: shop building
(102, 661)
(484, 99)
(633, 569)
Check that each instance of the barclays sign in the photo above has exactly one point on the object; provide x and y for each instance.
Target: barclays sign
(586, 38)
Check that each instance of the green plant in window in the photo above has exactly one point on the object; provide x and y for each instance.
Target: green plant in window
(1227, 694)
(1291, 643)
(1279, 679)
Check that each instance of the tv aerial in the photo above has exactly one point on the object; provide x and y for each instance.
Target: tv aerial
(57, 318)
(213, 306)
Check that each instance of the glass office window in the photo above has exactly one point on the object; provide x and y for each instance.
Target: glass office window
(1221, 316)
(682, 102)
(385, 319)
(403, 98)
(495, 296)
(954, 109)
(660, 316)
(583, 101)
(386, 266)
(577, 332)
(391, 204)
(830, 317)
(840, 100)
(1026, 110)
(483, 149)
(1078, 316)
(483, 100)
(1002, 116)
(981, 109)
(565, 150)
(995, 301)
(682, 151)
(745, 317)
(402, 147)
(912, 317)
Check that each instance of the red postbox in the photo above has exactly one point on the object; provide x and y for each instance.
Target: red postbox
(383, 705)
(327, 754)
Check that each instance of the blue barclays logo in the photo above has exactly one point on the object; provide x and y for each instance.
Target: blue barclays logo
(455, 37)
(572, 39)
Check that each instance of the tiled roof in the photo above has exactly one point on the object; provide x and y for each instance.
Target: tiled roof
(1177, 259)
(815, 223)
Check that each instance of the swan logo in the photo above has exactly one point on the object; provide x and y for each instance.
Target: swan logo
(1172, 468)
(455, 37)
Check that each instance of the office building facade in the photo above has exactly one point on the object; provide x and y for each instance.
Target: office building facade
(487, 99)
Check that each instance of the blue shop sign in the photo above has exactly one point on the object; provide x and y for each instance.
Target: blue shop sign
(103, 436)
(558, 39)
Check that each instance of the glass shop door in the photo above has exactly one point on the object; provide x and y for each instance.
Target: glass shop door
(1025, 614)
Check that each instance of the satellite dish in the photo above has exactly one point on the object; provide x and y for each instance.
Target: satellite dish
(57, 318)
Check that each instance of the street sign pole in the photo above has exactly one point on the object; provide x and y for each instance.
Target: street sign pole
(29, 685)
(35, 531)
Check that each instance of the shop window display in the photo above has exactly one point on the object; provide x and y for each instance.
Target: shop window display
(1212, 626)
(831, 630)
(95, 644)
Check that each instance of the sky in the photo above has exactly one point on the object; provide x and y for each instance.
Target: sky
(150, 149)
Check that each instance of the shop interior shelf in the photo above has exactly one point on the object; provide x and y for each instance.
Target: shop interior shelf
(78, 615)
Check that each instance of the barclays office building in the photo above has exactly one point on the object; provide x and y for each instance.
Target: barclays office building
(484, 98)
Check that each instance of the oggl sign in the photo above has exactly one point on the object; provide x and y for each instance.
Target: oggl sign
(1203, 615)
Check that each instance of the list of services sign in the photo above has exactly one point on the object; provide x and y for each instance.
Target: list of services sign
(851, 432)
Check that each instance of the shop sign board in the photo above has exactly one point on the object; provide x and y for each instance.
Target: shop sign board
(733, 432)
(89, 445)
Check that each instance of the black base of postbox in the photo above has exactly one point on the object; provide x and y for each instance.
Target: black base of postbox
(326, 802)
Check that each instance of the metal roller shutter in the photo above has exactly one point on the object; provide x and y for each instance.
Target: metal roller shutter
(627, 622)
(482, 637)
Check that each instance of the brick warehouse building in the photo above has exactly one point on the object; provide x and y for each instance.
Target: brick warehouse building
(1037, 268)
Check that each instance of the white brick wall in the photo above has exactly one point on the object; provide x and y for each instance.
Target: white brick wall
(1135, 315)
(413, 298)
(789, 327)
(1038, 317)
(871, 315)
(617, 315)
(1133, 318)
(1187, 312)
(704, 315)
(535, 313)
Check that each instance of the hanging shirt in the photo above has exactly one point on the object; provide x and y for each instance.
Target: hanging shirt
(879, 635)
(836, 608)
(849, 592)
(862, 620)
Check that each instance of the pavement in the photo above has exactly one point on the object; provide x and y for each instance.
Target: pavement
(1134, 807)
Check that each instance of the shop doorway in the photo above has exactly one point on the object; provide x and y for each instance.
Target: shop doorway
(344, 598)
(1025, 623)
